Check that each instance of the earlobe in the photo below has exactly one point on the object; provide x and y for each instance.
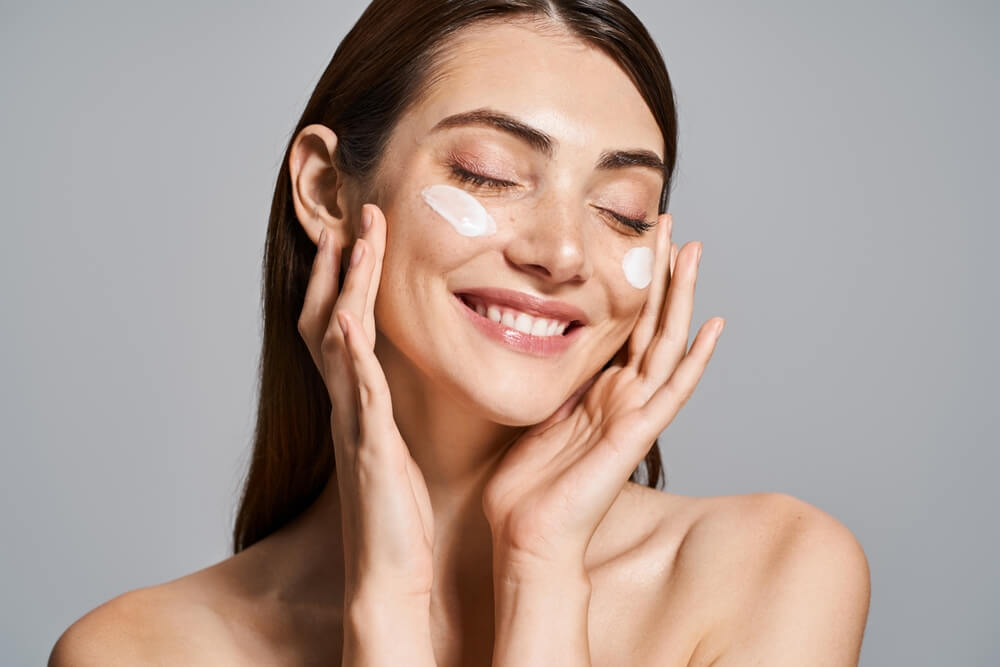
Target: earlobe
(318, 192)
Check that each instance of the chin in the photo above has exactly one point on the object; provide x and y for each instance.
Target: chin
(515, 403)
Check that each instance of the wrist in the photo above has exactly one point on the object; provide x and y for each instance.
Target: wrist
(370, 606)
(406, 590)
(387, 630)
(515, 569)
(541, 615)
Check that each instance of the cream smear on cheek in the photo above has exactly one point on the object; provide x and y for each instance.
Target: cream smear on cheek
(461, 209)
(638, 267)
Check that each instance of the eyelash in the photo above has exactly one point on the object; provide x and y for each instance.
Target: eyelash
(640, 226)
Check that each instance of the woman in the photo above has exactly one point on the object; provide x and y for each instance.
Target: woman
(445, 474)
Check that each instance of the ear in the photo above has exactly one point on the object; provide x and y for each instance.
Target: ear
(321, 194)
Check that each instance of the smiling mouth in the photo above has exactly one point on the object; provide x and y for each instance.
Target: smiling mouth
(525, 323)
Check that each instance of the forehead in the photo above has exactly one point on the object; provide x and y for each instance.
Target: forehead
(546, 78)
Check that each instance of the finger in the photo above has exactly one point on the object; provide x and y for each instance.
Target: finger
(666, 401)
(338, 370)
(670, 340)
(626, 443)
(354, 293)
(326, 342)
(321, 292)
(374, 401)
(644, 328)
(376, 234)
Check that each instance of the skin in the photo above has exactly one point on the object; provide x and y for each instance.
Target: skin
(471, 433)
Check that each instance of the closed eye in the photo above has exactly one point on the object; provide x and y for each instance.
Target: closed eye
(640, 226)
(479, 179)
(467, 176)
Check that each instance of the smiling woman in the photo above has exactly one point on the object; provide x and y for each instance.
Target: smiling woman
(475, 327)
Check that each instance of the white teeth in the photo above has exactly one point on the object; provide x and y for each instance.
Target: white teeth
(540, 327)
(523, 323)
(534, 326)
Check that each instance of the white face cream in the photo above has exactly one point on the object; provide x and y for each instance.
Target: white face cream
(461, 209)
(638, 267)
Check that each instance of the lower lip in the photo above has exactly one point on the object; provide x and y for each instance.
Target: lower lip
(540, 346)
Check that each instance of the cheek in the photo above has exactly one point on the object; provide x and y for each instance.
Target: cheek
(627, 272)
(431, 233)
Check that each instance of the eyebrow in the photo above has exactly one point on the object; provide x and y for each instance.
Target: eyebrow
(544, 143)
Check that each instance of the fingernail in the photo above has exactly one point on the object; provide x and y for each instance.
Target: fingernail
(342, 321)
(719, 327)
(366, 219)
(322, 236)
(698, 258)
(356, 254)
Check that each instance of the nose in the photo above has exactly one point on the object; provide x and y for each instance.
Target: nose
(551, 243)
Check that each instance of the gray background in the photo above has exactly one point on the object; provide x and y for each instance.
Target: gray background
(837, 160)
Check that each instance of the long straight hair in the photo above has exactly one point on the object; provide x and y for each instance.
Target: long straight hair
(377, 72)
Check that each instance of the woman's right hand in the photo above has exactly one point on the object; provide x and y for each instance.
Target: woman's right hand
(388, 526)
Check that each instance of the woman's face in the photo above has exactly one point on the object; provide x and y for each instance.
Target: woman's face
(556, 236)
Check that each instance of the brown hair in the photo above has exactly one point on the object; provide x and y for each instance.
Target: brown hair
(376, 74)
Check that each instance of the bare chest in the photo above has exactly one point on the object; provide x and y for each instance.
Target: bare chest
(635, 618)
(642, 612)
(646, 608)
(620, 632)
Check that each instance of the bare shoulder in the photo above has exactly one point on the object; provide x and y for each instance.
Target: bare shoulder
(785, 575)
(162, 625)
(734, 532)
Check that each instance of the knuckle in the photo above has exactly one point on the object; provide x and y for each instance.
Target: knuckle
(369, 461)
(366, 397)
(328, 345)
(331, 343)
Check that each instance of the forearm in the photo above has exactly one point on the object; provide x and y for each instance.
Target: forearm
(541, 617)
(383, 633)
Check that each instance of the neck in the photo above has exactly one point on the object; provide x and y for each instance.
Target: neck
(457, 450)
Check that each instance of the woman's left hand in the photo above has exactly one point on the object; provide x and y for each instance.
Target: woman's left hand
(560, 477)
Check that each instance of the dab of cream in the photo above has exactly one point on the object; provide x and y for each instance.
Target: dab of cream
(638, 266)
(461, 209)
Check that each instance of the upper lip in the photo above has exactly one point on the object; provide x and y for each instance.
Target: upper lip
(526, 303)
